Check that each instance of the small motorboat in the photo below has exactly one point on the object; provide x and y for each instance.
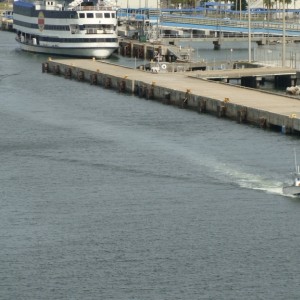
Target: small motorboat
(294, 189)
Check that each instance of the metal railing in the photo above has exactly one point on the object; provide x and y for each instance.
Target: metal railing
(228, 23)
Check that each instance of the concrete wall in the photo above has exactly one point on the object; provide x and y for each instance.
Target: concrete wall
(185, 100)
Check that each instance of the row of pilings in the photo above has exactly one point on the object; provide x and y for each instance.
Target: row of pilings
(145, 50)
(182, 99)
(6, 25)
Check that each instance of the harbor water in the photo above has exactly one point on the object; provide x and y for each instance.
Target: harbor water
(110, 196)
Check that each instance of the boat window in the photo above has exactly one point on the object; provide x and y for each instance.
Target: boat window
(90, 15)
(113, 15)
(106, 15)
(99, 15)
(81, 15)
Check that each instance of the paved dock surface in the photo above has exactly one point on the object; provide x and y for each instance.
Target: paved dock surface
(260, 100)
(238, 73)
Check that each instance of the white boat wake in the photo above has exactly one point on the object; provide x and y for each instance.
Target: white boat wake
(248, 180)
(233, 173)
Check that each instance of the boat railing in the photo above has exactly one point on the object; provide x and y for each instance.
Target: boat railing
(99, 30)
(98, 8)
(41, 3)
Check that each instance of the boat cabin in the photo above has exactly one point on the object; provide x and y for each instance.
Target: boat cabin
(297, 180)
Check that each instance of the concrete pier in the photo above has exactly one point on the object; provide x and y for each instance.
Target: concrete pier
(245, 105)
(6, 25)
(252, 76)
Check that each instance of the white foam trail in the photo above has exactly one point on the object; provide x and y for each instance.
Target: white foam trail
(232, 173)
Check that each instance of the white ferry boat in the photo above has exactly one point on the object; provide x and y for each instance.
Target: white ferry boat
(79, 28)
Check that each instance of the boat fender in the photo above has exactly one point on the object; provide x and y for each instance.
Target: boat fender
(163, 66)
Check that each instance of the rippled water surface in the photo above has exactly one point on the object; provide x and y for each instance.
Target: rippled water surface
(110, 196)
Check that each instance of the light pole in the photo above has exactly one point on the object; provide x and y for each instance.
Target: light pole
(240, 10)
(157, 19)
(249, 32)
(283, 33)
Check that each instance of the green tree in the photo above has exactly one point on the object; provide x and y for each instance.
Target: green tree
(184, 3)
(287, 3)
(239, 5)
(268, 4)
